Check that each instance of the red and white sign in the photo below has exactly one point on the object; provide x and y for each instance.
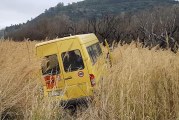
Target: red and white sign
(80, 73)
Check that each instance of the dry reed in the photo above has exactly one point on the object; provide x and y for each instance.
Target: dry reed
(141, 84)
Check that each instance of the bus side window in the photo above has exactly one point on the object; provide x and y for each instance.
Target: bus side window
(94, 51)
(91, 54)
(50, 65)
(99, 49)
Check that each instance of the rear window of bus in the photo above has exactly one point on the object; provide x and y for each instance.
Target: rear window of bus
(72, 61)
(50, 65)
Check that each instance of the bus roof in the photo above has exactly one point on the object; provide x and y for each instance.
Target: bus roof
(84, 38)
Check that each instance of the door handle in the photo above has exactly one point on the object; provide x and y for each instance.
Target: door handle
(68, 78)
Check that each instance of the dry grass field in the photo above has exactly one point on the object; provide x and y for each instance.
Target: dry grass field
(142, 84)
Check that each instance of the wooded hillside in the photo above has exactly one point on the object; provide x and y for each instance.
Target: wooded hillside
(152, 21)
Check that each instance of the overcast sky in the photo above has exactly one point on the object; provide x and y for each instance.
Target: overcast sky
(19, 11)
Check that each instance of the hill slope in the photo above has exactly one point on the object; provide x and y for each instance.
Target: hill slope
(75, 12)
(96, 8)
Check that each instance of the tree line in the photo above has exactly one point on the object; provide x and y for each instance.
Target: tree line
(157, 26)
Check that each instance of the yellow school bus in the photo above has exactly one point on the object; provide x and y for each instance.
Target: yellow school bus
(69, 66)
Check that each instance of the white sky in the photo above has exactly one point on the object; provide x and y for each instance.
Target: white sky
(19, 11)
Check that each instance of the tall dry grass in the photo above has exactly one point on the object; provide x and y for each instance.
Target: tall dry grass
(20, 83)
(141, 84)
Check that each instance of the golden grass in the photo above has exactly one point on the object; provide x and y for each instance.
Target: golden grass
(20, 82)
(142, 84)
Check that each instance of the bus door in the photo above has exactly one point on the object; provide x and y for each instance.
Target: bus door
(51, 70)
(76, 74)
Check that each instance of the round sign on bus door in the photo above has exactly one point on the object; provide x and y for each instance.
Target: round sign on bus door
(80, 73)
